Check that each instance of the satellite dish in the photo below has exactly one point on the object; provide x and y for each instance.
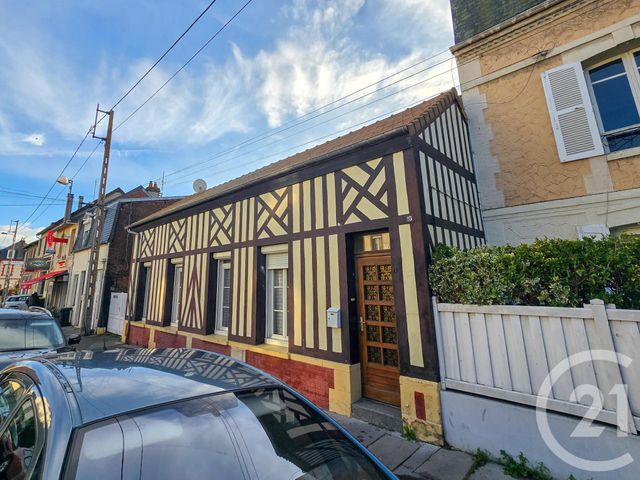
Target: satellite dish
(199, 185)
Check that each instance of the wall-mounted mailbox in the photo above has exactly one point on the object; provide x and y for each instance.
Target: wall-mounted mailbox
(333, 317)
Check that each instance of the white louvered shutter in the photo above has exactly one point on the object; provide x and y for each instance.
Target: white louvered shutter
(277, 260)
(574, 123)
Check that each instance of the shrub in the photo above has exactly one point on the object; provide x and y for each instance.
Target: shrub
(549, 272)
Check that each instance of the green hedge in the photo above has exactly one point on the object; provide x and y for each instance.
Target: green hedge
(565, 273)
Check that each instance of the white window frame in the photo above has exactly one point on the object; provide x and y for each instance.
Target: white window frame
(176, 301)
(633, 75)
(219, 328)
(270, 336)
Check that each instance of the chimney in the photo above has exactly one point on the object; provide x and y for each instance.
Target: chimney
(80, 201)
(152, 189)
(68, 208)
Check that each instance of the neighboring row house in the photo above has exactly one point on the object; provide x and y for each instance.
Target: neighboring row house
(552, 91)
(114, 257)
(58, 262)
(314, 268)
(11, 266)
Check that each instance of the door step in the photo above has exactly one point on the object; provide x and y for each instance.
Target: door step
(379, 414)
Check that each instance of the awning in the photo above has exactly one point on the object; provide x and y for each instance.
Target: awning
(28, 283)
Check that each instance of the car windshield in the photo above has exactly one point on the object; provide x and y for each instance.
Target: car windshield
(13, 299)
(27, 334)
(267, 433)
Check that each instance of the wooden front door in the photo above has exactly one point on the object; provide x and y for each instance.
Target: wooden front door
(379, 355)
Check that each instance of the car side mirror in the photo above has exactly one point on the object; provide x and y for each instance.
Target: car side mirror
(74, 339)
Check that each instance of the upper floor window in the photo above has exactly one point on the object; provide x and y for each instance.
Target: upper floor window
(615, 88)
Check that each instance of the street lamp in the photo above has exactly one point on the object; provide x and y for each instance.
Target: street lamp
(63, 180)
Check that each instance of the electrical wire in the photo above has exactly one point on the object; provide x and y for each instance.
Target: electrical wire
(301, 120)
(28, 204)
(315, 140)
(22, 195)
(127, 93)
(72, 178)
(183, 66)
(163, 55)
(539, 56)
(324, 122)
(26, 222)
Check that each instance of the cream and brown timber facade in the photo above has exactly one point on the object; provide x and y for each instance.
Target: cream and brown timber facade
(348, 225)
(541, 174)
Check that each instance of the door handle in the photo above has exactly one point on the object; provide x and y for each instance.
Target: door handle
(361, 324)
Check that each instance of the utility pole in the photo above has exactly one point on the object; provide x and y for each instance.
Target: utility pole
(92, 274)
(7, 279)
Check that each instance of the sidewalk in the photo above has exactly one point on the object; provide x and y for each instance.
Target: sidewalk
(417, 460)
(94, 342)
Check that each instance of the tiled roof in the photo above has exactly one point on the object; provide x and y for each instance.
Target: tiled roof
(471, 17)
(403, 120)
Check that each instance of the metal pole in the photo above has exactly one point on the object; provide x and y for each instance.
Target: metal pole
(7, 279)
(91, 293)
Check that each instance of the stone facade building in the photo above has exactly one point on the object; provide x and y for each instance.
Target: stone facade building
(552, 91)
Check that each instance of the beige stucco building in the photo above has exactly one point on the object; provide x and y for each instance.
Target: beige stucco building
(552, 91)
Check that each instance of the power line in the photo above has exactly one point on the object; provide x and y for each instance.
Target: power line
(72, 178)
(301, 119)
(183, 66)
(311, 127)
(27, 204)
(315, 140)
(260, 137)
(118, 103)
(163, 55)
(22, 195)
(86, 135)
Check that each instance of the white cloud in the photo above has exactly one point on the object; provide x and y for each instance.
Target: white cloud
(317, 62)
(321, 55)
(35, 139)
(27, 232)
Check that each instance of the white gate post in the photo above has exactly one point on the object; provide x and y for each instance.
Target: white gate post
(439, 344)
(605, 342)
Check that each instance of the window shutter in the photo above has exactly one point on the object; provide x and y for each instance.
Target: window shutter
(574, 123)
(277, 260)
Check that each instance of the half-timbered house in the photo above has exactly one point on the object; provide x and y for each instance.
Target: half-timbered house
(314, 268)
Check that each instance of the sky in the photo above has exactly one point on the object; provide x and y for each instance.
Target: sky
(280, 78)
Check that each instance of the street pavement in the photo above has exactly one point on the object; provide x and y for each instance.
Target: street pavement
(408, 459)
(94, 342)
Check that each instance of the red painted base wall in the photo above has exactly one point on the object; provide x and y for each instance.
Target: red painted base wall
(312, 381)
(169, 340)
(138, 336)
(212, 347)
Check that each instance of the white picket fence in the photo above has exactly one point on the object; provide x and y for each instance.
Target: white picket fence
(506, 352)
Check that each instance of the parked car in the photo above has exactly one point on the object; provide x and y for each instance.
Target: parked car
(26, 333)
(166, 414)
(16, 301)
